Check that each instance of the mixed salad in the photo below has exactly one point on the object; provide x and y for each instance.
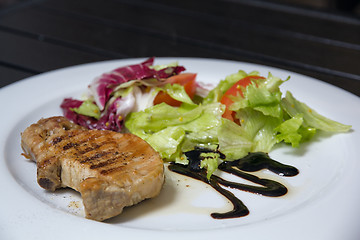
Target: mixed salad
(167, 107)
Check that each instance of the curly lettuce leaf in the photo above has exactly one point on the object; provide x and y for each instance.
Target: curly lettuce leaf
(263, 96)
(177, 92)
(288, 130)
(174, 130)
(210, 161)
(311, 118)
(167, 141)
(216, 93)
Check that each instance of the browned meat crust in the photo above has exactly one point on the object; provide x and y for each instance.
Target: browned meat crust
(111, 170)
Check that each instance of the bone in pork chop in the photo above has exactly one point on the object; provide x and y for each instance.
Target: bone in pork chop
(110, 170)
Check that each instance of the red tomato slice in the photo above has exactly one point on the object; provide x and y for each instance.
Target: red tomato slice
(235, 90)
(185, 79)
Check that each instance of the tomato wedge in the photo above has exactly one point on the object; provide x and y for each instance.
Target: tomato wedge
(235, 90)
(185, 79)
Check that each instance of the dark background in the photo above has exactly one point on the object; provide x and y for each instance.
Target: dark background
(318, 38)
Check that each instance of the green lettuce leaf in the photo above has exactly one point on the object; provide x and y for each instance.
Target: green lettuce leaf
(175, 130)
(177, 92)
(265, 96)
(88, 108)
(288, 130)
(167, 142)
(311, 118)
(234, 142)
(210, 161)
(216, 93)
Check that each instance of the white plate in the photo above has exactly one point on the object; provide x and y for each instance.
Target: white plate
(322, 202)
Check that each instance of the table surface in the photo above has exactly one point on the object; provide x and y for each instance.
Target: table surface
(37, 36)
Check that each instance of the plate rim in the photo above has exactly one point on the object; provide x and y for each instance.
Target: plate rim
(54, 72)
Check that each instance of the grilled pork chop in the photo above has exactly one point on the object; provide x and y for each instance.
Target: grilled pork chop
(110, 170)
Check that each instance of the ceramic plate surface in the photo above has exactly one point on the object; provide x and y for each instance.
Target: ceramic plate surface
(322, 202)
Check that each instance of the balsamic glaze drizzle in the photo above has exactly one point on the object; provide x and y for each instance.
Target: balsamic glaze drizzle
(250, 163)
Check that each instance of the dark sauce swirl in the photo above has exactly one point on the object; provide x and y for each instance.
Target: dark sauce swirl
(250, 163)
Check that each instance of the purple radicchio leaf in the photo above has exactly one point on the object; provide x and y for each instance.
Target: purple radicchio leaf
(68, 104)
(103, 86)
(112, 119)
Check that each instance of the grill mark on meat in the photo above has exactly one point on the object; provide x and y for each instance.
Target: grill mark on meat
(97, 156)
(87, 149)
(108, 162)
(110, 170)
(97, 153)
(77, 141)
(56, 140)
(70, 145)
